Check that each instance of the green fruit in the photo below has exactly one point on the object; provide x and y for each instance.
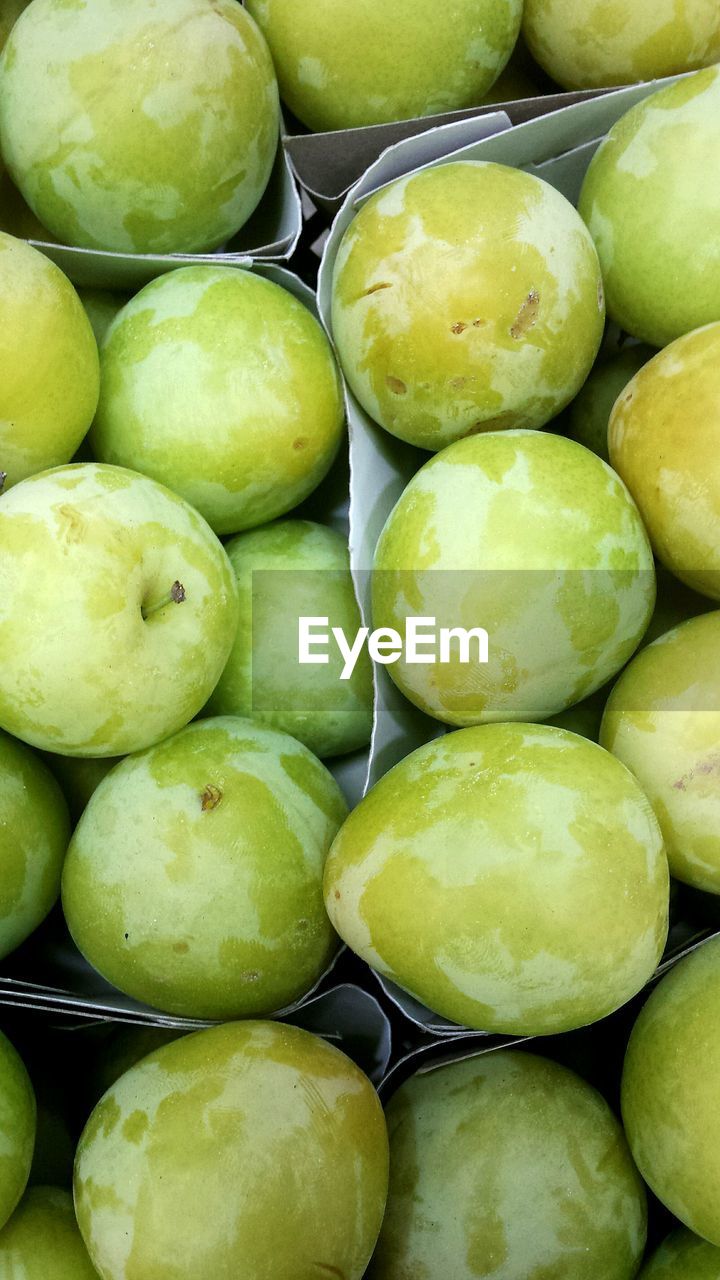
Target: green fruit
(508, 1166)
(663, 721)
(42, 1242)
(537, 541)
(124, 1048)
(101, 308)
(683, 1256)
(251, 1149)
(11, 11)
(653, 212)
(17, 1128)
(78, 778)
(589, 413)
(223, 386)
(286, 571)
(466, 298)
(670, 1088)
(136, 128)
(193, 881)
(511, 877)
(34, 834)
(341, 64)
(48, 363)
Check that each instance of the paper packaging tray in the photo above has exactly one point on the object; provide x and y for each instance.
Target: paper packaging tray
(557, 147)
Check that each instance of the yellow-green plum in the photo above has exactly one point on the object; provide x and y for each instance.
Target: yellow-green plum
(414, 60)
(34, 834)
(665, 443)
(466, 298)
(670, 1089)
(532, 538)
(17, 1128)
(510, 1167)
(589, 413)
(251, 1149)
(50, 375)
(193, 880)
(653, 212)
(101, 307)
(78, 777)
(683, 1256)
(223, 386)
(118, 610)
(122, 1049)
(42, 1241)
(512, 877)
(589, 44)
(287, 571)
(140, 126)
(663, 721)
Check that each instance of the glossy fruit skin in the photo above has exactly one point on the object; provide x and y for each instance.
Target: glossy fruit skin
(34, 835)
(589, 413)
(527, 535)
(670, 1087)
(87, 548)
(511, 877)
(588, 44)
(466, 298)
(652, 211)
(17, 1128)
(223, 386)
(285, 571)
(508, 1166)
(225, 1152)
(683, 1256)
(49, 363)
(193, 881)
(449, 59)
(663, 721)
(664, 441)
(179, 109)
(42, 1242)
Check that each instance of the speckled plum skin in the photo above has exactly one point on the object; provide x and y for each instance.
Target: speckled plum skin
(466, 298)
(670, 1089)
(249, 1149)
(653, 213)
(140, 126)
(42, 1240)
(85, 669)
(533, 538)
(17, 1128)
(511, 877)
(223, 386)
(342, 64)
(683, 1256)
(510, 1167)
(193, 880)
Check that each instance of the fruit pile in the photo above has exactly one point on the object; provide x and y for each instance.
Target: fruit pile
(169, 767)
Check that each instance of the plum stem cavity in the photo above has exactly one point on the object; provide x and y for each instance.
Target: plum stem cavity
(175, 595)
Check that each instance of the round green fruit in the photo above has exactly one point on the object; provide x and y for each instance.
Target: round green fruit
(670, 1089)
(34, 834)
(683, 1256)
(665, 443)
(663, 721)
(101, 307)
(511, 877)
(48, 361)
(589, 413)
(508, 1166)
(589, 44)
(288, 571)
(17, 1128)
(534, 539)
(249, 1149)
(221, 385)
(653, 213)
(42, 1241)
(193, 880)
(447, 60)
(466, 298)
(136, 127)
(118, 609)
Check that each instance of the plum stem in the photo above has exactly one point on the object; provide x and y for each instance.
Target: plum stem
(3, 478)
(175, 595)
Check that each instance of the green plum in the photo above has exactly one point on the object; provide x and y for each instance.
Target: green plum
(101, 307)
(251, 1149)
(223, 386)
(508, 1166)
(653, 211)
(670, 1087)
(17, 1128)
(512, 877)
(122, 1049)
(34, 835)
(589, 413)
(466, 298)
(683, 1256)
(286, 571)
(42, 1241)
(193, 880)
